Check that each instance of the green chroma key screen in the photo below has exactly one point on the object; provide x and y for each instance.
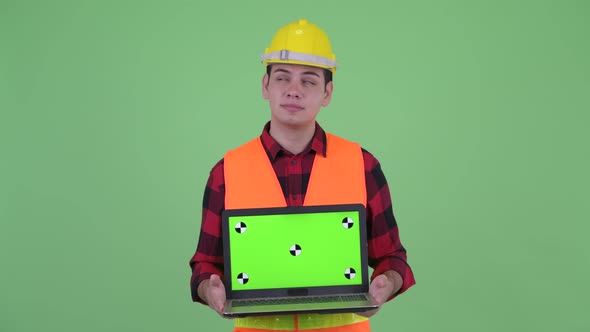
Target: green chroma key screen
(295, 250)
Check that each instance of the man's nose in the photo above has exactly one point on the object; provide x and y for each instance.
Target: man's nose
(294, 91)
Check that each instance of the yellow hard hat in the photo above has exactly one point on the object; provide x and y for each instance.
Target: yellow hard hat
(301, 43)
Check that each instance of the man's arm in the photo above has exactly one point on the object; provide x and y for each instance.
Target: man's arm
(208, 258)
(392, 275)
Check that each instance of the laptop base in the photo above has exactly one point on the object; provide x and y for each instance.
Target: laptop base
(233, 308)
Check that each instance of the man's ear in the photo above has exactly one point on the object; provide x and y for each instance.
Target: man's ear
(265, 93)
(328, 94)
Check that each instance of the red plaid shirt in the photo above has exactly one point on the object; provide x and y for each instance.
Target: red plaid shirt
(385, 249)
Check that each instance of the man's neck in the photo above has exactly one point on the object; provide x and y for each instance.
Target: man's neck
(292, 139)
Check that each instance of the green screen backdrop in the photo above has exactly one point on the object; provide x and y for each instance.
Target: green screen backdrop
(112, 114)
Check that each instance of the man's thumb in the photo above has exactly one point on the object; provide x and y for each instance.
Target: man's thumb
(215, 281)
(379, 282)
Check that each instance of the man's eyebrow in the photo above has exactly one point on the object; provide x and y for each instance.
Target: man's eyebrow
(282, 70)
(310, 73)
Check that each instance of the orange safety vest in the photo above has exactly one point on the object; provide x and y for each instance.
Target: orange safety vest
(338, 178)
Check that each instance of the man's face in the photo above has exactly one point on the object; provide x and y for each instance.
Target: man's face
(295, 94)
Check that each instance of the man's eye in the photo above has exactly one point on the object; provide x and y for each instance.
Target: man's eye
(309, 82)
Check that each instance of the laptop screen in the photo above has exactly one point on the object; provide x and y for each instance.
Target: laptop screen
(295, 248)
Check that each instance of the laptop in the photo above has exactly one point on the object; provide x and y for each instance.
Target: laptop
(296, 260)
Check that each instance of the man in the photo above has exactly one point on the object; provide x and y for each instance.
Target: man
(293, 163)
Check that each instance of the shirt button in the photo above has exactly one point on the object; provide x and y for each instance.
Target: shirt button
(293, 162)
(294, 196)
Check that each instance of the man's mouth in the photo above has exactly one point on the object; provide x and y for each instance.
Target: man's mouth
(292, 107)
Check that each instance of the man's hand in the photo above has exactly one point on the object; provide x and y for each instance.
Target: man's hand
(212, 291)
(382, 287)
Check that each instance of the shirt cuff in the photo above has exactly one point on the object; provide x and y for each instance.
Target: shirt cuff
(400, 266)
(206, 270)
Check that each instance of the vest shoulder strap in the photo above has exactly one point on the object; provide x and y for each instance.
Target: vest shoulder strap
(250, 180)
(339, 177)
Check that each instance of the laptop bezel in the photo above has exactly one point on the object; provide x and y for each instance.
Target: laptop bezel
(297, 291)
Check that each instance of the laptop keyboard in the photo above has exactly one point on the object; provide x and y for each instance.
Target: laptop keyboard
(298, 300)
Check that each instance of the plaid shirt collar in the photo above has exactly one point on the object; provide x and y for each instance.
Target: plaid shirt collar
(273, 148)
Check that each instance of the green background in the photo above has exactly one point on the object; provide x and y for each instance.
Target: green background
(113, 113)
(269, 238)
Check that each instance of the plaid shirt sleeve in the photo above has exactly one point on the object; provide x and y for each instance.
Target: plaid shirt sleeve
(385, 248)
(208, 259)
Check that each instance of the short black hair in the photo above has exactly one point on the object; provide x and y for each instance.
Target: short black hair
(327, 74)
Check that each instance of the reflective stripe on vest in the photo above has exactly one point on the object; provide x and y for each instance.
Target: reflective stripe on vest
(337, 178)
(305, 322)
